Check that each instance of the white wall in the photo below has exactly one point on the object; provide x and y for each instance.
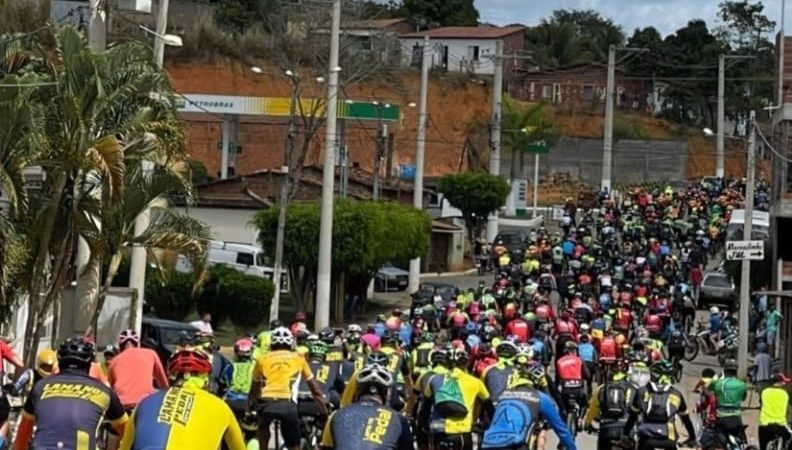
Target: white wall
(457, 52)
(228, 224)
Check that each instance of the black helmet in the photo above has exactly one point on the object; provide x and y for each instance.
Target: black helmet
(76, 352)
(275, 324)
(327, 335)
(377, 358)
(390, 337)
(730, 365)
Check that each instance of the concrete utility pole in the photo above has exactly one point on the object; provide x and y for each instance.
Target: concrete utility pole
(97, 34)
(137, 264)
(495, 131)
(535, 186)
(280, 235)
(162, 28)
(324, 269)
(719, 144)
(610, 100)
(745, 279)
(415, 263)
(781, 48)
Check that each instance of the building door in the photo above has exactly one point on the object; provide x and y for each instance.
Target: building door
(445, 57)
(438, 259)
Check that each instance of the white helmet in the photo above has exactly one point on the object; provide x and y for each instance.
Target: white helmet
(714, 310)
(281, 336)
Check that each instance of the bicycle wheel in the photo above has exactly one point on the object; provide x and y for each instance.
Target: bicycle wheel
(691, 349)
(572, 423)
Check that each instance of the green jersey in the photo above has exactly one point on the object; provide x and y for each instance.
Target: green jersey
(730, 393)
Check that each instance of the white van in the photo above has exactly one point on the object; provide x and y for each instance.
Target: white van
(760, 228)
(244, 257)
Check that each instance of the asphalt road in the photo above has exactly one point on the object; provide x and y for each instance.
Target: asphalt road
(690, 377)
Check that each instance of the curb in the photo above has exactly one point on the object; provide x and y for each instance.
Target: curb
(448, 274)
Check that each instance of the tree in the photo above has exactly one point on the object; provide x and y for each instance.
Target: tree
(366, 235)
(476, 194)
(441, 13)
(649, 39)
(524, 124)
(744, 24)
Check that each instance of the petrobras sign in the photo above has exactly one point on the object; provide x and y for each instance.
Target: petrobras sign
(221, 104)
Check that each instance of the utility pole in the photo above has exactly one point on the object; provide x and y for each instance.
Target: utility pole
(280, 235)
(781, 48)
(324, 269)
(745, 279)
(97, 34)
(535, 185)
(495, 132)
(415, 263)
(719, 144)
(137, 264)
(378, 152)
(162, 28)
(610, 100)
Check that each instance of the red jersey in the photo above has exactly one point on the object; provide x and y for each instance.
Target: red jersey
(569, 368)
(544, 312)
(608, 351)
(623, 319)
(520, 329)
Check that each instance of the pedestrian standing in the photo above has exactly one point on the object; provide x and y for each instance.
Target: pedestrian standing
(773, 319)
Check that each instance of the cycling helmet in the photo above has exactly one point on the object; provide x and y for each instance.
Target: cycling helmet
(506, 350)
(189, 361)
(374, 379)
(390, 337)
(76, 352)
(428, 338)
(525, 350)
(128, 336)
(714, 310)
(243, 348)
(317, 348)
(47, 362)
(570, 347)
(536, 373)
(459, 355)
(110, 351)
(662, 368)
(439, 356)
(585, 328)
(378, 358)
(327, 335)
(354, 328)
(730, 365)
(203, 339)
(281, 337)
(275, 324)
(782, 379)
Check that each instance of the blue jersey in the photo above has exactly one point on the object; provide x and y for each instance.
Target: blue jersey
(715, 323)
(587, 352)
(515, 414)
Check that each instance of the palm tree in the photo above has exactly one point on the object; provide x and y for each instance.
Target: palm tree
(103, 111)
(523, 124)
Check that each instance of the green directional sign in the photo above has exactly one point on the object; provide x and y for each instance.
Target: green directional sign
(538, 147)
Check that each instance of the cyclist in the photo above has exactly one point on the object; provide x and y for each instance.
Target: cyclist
(263, 340)
(68, 408)
(326, 374)
(588, 353)
(773, 412)
(518, 411)
(729, 392)
(184, 415)
(368, 424)
(571, 374)
(132, 371)
(420, 361)
(221, 367)
(241, 376)
(497, 377)
(335, 352)
(608, 404)
(46, 365)
(273, 393)
(453, 396)
(659, 403)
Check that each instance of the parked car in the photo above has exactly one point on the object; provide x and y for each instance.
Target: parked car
(163, 336)
(716, 287)
(391, 278)
(514, 241)
(446, 291)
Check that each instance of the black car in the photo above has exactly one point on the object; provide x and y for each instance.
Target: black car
(446, 291)
(514, 241)
(163, 336)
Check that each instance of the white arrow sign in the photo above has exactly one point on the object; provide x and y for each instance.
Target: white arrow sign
(744, 250)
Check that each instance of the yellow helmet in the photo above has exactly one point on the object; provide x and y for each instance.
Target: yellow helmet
(47, 362)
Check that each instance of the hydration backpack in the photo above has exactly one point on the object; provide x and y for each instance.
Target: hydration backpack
(613, 400)
(448, 400)
(510, 426)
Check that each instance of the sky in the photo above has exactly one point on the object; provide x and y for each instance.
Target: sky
(665, 15)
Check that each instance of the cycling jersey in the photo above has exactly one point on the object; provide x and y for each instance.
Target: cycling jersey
(608, 349)
(182, 418)
(518, 410)
(131, 373)
(659, 409)
(730, 393)
(367, 425)
(587, 352)
(774, 406)
(497, 378)
(68, 409)
(472, 389)
(328, 377)
(518, 328)
(280, 372)
(241, 377)
(569, 371)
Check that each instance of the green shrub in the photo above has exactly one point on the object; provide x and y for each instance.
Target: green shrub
(227, 294)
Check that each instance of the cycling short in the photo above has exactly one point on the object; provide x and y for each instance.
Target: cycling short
(284, 412)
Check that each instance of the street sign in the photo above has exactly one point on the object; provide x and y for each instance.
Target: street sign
(744, 250)
(538, 147)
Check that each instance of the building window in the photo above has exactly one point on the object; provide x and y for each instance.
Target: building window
(588, 93)
(435, 200)
(547, 91)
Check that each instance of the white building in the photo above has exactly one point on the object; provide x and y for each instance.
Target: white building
(465, 49)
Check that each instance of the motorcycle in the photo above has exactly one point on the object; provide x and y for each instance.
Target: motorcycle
(724, 349)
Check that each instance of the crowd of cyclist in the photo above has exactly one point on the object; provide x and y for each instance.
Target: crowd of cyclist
(588, 327)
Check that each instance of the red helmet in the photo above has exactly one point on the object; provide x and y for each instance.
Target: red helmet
(782, 379)
(653, 323)
(243, 347)
(189, 361)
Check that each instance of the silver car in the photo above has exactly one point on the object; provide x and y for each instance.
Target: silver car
(717, 287)
(391, 278)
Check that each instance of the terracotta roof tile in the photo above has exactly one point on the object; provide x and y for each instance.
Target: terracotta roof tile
(467, 32)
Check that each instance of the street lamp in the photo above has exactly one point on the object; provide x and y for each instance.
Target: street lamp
(171, 40)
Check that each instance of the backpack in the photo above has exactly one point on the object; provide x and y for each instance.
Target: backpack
(448, 400)
(422, 357)
(613, 400)
(510, 426)
(658, 410)
(676, 340)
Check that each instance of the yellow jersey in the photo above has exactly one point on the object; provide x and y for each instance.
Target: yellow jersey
(280, 373)
(182, 418)
(472, 389)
